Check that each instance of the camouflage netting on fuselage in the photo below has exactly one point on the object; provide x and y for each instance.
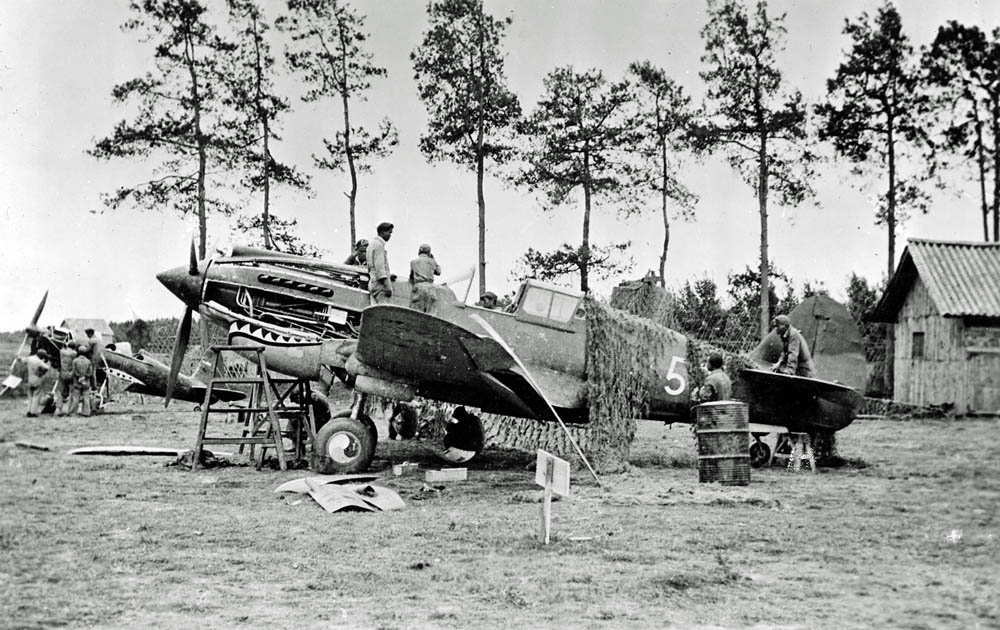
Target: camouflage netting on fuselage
(645, 299)
(620, 350)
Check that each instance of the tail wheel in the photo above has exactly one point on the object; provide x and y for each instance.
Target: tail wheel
(760, 454)
(344, 445)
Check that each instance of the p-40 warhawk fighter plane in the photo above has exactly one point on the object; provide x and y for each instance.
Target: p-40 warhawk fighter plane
(313, 320)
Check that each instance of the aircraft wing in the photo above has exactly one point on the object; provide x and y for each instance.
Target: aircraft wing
(447, 362)
(800, 403)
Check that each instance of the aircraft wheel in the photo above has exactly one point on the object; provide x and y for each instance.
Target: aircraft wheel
(760, 454)
(344, 445)
(367, 421)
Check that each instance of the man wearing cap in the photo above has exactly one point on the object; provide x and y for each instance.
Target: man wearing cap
(379, 277)
(359, 256)
(83, 380)
(38, 365)
(487, 300)
(423, 268)
(718, 385)
(795, 356)
(40, 340)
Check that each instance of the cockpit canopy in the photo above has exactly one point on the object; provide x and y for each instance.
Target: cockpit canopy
(548, 304)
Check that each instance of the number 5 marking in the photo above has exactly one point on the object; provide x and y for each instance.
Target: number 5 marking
(674, 376)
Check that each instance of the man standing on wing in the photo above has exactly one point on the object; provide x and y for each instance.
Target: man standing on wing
(379, 277)
(423, 268)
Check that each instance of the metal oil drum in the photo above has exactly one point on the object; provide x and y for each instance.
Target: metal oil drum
(723, 430)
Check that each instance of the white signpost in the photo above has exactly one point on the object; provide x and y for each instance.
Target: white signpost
(552, 474)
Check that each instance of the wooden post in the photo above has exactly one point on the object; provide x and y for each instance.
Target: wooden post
(545, 523)
(552, 473)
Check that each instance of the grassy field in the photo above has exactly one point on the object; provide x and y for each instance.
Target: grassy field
(906, 536)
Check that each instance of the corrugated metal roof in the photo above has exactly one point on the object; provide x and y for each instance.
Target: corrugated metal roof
(963, 278)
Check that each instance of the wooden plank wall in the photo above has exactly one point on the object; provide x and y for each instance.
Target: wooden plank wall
(961, 364)
(983, 347)
(940, 377)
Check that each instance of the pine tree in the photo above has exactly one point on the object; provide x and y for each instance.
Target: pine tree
(664, 116)
(327, 53)
(180, 117)
(577, 139)
(252, 90)
(753, 117)
(460, 79)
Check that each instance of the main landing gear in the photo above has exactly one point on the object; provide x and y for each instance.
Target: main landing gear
(345, 441)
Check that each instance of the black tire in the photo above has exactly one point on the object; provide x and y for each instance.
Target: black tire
(366, 420)
(342, 446)
(760, 454)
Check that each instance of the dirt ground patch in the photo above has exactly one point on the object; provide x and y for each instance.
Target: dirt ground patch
(906, 536)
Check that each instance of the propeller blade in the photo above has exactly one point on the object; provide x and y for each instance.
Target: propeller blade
(38, 311)
(33, 324)
(193, 265)
(180, 349)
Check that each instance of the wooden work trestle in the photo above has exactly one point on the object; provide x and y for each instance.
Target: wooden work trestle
(262, 414)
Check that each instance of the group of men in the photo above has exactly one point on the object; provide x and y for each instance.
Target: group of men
(374, 256)
(74, 363)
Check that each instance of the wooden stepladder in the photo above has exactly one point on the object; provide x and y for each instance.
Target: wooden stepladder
(291, 401)
(259, 413)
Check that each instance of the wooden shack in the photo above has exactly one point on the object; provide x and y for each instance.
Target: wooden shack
(943, 303)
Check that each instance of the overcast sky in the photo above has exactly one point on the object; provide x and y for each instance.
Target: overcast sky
(59, 60)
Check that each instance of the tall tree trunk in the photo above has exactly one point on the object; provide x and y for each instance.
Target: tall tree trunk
(268, 241)
(765, 279)
(348, 149)
(201, 142)
(890, 332)
(480, 156)
(585, 246)
(996, 167)
(890, 214)
(202, 219)
(981, 160)
(481, 200)
(664, 199)
(266, 133)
